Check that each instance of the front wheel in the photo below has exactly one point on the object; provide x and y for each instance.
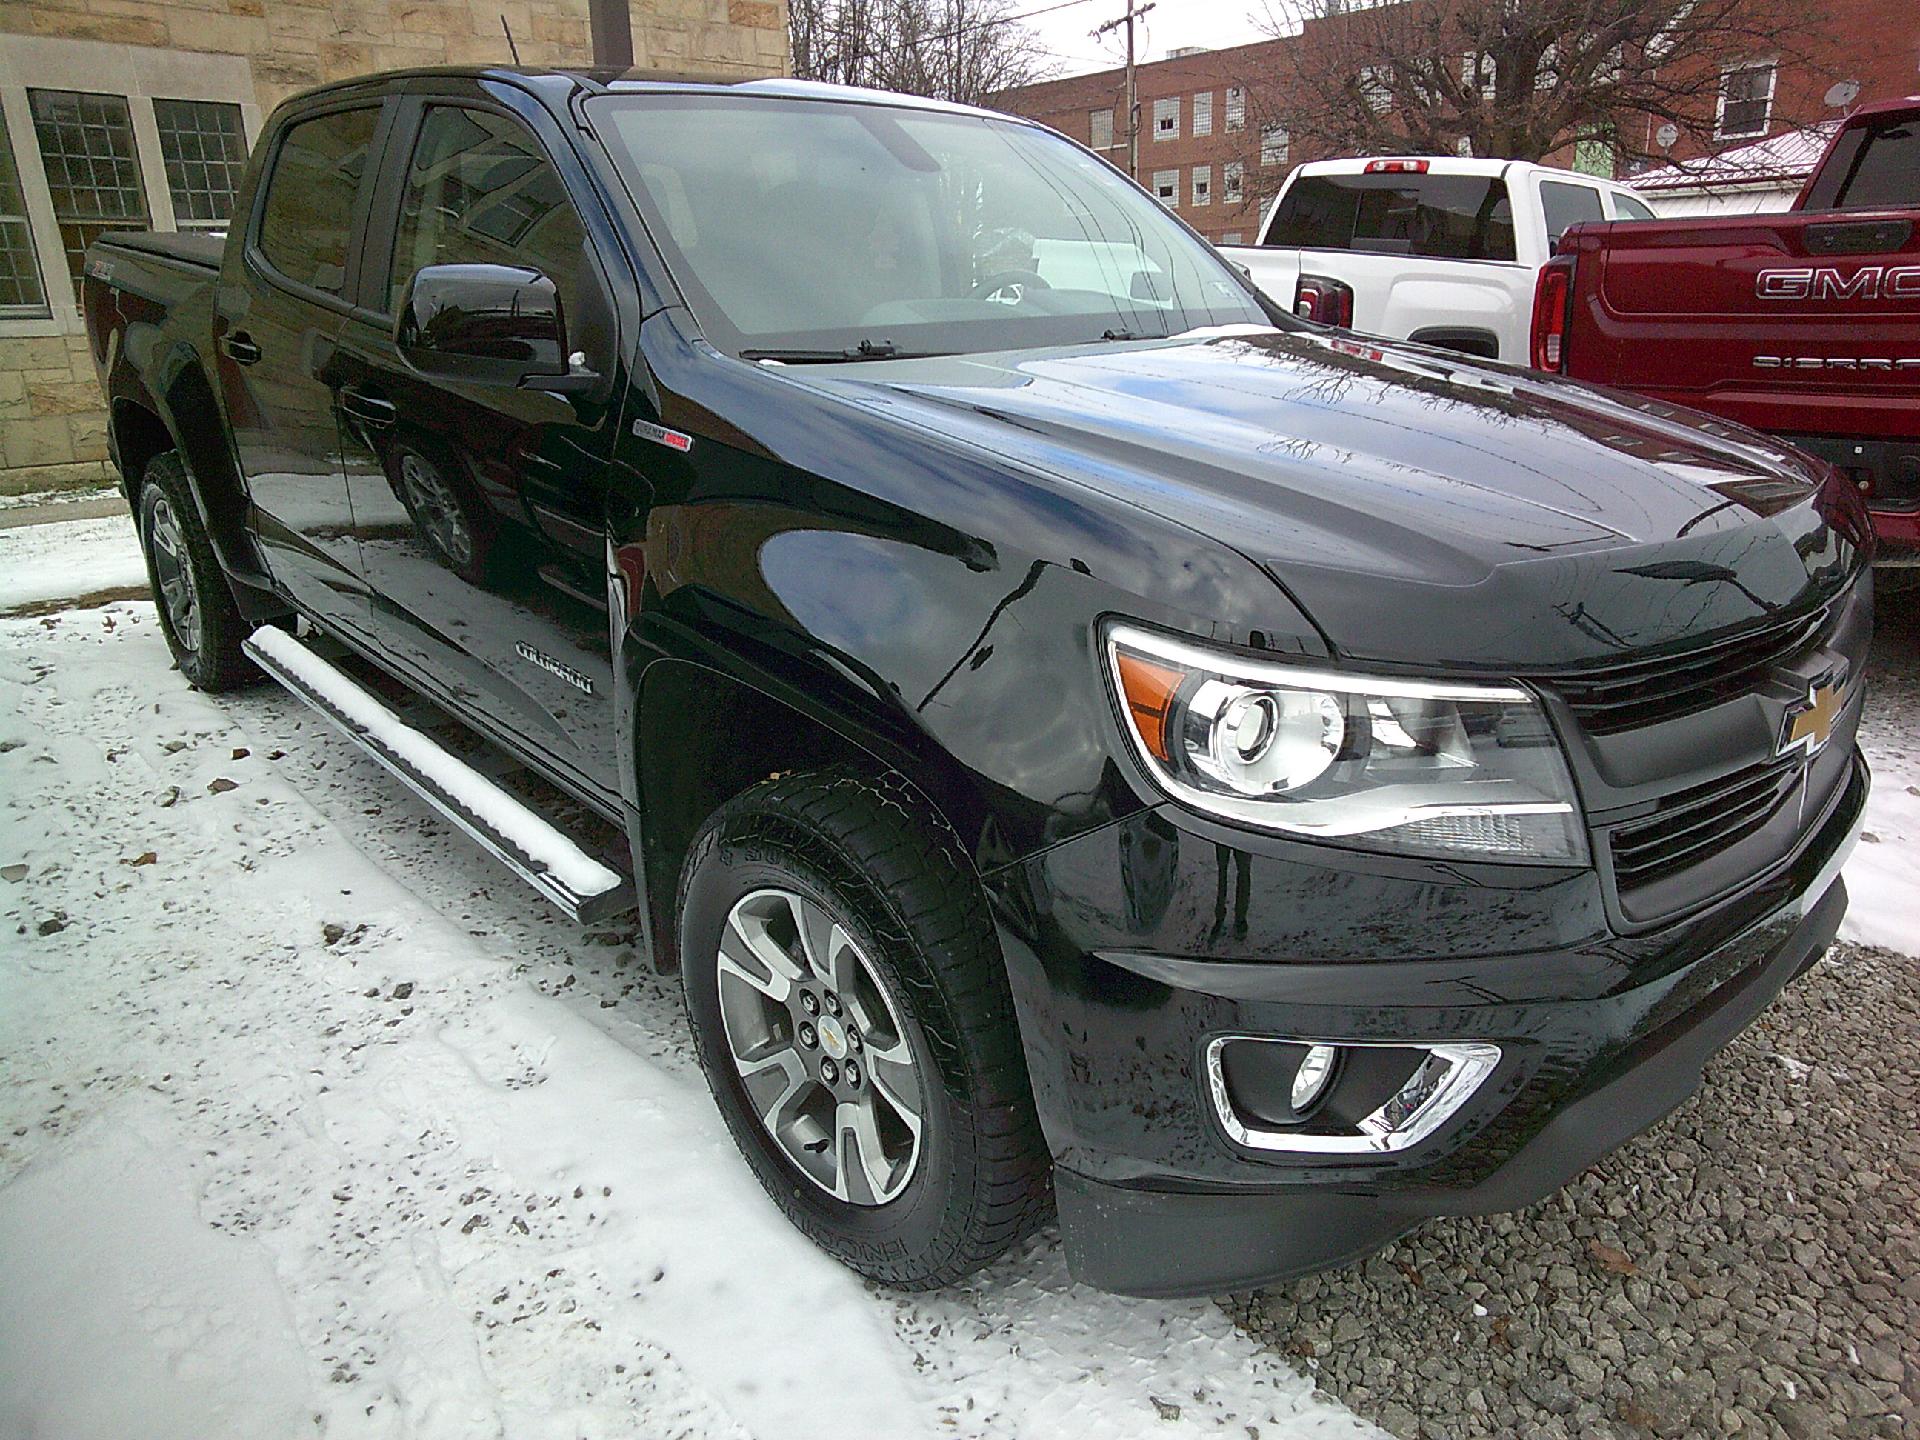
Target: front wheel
(852, 1015)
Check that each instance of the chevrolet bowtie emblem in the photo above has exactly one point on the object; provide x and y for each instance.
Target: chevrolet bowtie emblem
(1809, 723)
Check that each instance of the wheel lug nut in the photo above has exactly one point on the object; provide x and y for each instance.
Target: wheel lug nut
(853, 1037)
(807, 1037)
(829, 1071)
(853, 1073)
(808, 1003)
(833, 1003)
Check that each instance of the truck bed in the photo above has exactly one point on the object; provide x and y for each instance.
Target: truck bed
(200, 248)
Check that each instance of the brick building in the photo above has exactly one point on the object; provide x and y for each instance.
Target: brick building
(138, 114)
(1201, 155)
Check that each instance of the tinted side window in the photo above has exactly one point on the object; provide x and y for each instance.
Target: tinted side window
(479, 191)
(1566, 205)
(1447, 217)
(1631, 209)
(310, 197)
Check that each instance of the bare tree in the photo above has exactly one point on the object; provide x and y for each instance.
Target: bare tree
(1513, 79)
(951, 49)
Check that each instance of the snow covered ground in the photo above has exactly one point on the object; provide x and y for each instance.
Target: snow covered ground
(315, 1122)
(41, 563)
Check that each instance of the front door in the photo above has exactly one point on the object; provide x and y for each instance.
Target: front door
(278, 312)
(480, 507)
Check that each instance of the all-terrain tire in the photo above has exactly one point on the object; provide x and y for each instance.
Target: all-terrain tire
(203, 625)
(894, 877)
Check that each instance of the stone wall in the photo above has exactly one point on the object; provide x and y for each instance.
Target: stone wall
(257, 52)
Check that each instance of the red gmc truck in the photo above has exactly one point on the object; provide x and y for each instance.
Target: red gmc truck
(1804, 324)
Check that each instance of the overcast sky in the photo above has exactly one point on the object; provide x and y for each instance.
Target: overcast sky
(1172, 23)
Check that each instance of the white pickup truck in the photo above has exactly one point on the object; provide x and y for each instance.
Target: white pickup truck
(1437, 249)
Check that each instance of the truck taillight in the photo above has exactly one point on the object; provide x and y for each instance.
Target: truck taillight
(1324, 300)
(1552, 300)
(1396, 167)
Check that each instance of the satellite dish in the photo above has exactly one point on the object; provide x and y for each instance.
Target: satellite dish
(1842, 94)
(1667, 134)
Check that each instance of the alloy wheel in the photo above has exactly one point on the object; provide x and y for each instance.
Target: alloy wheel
(174, 572)
(437, 508)
(817, 1042)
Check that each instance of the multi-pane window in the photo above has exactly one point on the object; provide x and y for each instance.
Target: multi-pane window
(1166, 187)
(86, 144)
(1236, 108)
(1376, 87)
(1746, 100)
(1166, 118)
(1203, 113)
(1233, 237)
(1477, 69)
(1100, 128)
(204, 149)
(1233, 182)
(1203, 185)
(20, 289)
(1275, 145)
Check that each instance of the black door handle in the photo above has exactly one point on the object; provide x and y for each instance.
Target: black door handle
(240, 348)
(368, 409)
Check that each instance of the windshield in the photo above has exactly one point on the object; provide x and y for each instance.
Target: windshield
(814, 226)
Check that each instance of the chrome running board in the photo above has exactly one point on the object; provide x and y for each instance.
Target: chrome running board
(499, 822)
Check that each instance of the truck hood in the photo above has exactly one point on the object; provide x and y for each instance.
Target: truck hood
(1421, 508)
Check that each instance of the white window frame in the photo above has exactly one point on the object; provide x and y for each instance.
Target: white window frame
(1202, 113)
(1479, 65)
(1233, 183)
(1166, 188)
(1376, 87)
(1166, 118)
(1771, 65)
(1276, 146)
(1201, 187)
(1236, 108)
(140, 74)
(1094, 142)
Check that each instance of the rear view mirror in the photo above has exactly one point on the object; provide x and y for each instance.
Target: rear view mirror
(485, 323)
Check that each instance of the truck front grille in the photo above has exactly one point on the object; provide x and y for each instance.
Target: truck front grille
(1609, 699)
(1694, 824)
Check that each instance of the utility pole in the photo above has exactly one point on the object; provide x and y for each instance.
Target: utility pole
(1134, 12)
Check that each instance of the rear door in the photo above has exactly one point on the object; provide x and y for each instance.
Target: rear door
(278, 311)
(481, 507)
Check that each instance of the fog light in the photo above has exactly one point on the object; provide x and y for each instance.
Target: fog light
(1310, 1080)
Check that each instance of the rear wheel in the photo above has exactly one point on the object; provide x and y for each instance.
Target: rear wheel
(852, 1015)
(198, 615)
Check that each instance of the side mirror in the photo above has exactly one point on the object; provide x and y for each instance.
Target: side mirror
(497, 324)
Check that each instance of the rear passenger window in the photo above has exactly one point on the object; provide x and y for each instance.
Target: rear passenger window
(1629, 208)
(1567, 205)
(480, 191)
(310, 197)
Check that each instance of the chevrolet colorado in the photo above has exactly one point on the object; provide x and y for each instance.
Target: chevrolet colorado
(1108, 747)
(1805, 325)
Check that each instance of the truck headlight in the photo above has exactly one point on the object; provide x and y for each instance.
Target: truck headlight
(1375, 761)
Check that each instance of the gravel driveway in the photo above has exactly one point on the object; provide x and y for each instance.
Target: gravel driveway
(1749, 1267)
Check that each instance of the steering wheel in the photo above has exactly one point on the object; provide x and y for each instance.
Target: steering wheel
(1008, 287)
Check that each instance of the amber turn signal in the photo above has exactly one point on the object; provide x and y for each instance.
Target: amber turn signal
(1150, 689)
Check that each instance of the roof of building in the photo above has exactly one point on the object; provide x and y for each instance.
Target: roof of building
(1785, 159)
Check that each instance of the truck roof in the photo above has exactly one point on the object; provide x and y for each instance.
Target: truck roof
(1448, 165)
(568, 81)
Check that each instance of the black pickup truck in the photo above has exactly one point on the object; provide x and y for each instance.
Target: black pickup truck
(1087, 740)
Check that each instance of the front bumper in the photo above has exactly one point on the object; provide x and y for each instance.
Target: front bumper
(1117, 946)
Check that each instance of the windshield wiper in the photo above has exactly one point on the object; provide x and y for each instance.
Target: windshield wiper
(865, 350)
(1127, 335)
